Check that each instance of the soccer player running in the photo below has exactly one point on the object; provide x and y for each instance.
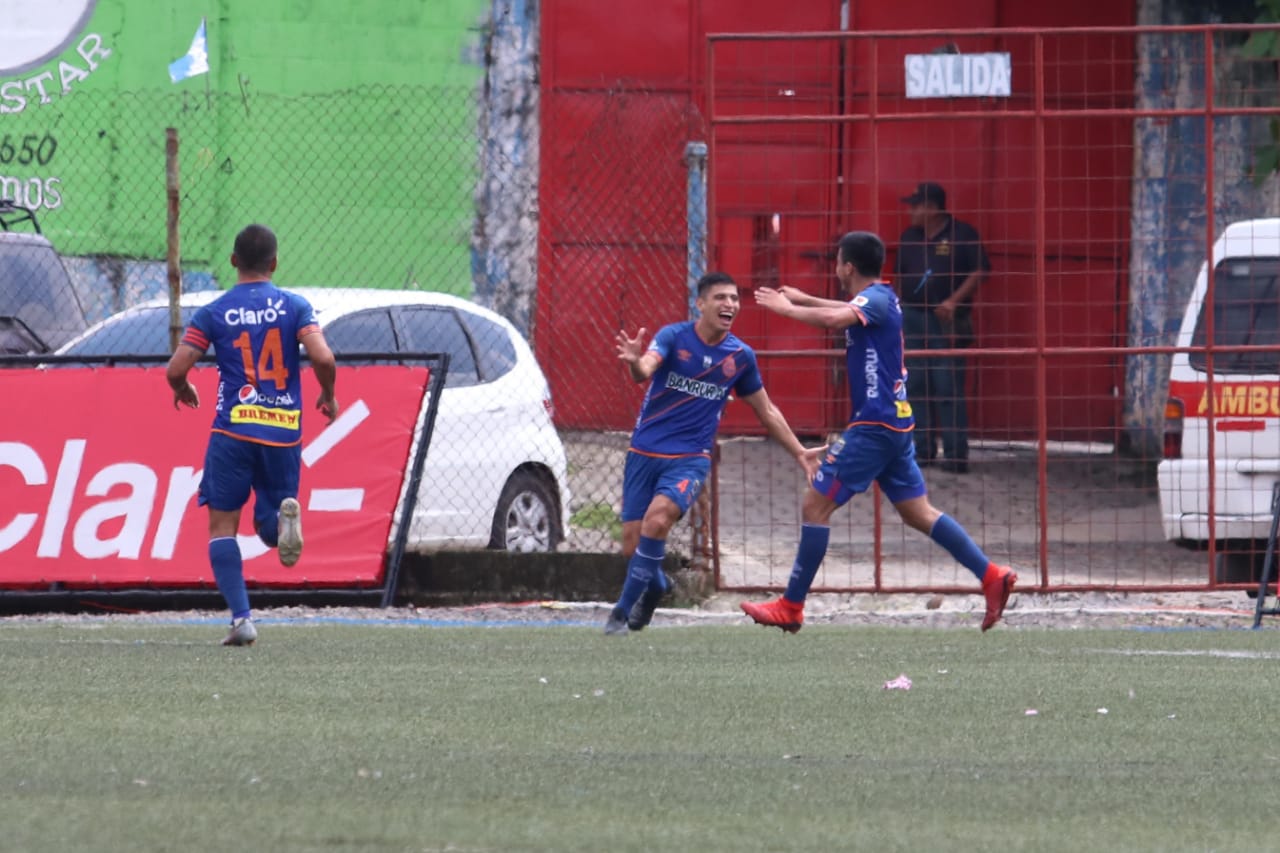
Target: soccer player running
(694, 366)
(877, 443)
(256, 443)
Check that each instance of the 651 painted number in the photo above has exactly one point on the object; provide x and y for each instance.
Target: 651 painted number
(27, 149)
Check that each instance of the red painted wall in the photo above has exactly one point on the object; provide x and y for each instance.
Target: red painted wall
(782, 193)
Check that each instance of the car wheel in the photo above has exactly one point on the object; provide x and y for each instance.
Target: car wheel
(527, 516)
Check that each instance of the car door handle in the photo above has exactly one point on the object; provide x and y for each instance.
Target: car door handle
(1258, 466)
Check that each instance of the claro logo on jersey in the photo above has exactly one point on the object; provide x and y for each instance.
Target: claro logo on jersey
(249, 317)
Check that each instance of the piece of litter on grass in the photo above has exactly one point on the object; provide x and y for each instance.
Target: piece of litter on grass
(542, 680)
(899, 683)
(943, 671)
(1031, 712)
(1102, 711)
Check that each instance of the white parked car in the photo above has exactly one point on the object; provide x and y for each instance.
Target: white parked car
(495, 472)
(1240, 390)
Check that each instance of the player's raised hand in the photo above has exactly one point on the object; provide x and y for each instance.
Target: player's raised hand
(794, 294)
(630, 349)
(773, 300)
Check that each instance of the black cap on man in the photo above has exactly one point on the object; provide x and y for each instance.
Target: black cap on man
(928, 192)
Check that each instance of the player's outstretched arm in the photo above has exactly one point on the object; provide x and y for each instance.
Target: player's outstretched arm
(796, 296)
(780, 431)
(835, 315)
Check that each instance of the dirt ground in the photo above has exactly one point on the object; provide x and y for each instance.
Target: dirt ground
(1026, 611)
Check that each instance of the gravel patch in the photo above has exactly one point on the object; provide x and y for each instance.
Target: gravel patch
(1222, 610)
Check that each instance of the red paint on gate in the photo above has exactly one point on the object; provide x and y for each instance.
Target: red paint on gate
(621, 267)
(98, 478)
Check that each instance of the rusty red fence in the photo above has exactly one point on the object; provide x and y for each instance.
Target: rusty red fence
(1099, 165)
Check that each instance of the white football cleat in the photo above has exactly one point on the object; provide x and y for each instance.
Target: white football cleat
(242, 633)
(289, 541)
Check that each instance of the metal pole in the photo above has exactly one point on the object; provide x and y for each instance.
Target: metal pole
(173, 255)
(700, 514)
(695, 158)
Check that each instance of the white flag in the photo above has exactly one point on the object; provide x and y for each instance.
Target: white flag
(196, 61)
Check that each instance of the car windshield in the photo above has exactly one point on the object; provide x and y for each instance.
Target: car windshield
(144, 332)
(1246, 312)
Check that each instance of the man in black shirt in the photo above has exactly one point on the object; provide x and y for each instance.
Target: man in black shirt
(940, 264)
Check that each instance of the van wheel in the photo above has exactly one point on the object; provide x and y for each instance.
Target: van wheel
(1240, 567)
(527, 517)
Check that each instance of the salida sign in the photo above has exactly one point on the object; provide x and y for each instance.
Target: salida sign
(99, 474)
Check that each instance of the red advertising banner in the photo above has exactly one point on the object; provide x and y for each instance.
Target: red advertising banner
(99, 474)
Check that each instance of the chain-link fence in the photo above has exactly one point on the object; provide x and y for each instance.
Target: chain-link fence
(1098, 168)
(1098, 177)
(388, 202)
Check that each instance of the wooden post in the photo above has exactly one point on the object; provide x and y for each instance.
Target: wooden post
(173, 255)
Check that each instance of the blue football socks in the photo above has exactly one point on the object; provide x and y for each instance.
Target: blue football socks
(809, 554)
(642, 569)
(228, 572)
(948, 533)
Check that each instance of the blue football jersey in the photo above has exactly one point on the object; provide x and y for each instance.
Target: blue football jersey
(689, 390)
(873, 359)
(255, 328)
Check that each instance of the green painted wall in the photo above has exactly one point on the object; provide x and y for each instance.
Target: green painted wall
(348, 128)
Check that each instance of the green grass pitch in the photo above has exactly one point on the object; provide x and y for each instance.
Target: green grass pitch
(366, 737)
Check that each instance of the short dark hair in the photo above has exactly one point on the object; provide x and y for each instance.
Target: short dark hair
(864, 250)
(255, 248)
(711, 279)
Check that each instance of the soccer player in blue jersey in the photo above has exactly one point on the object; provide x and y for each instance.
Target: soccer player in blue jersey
(877, 443)
(256, 443)
(693, 366)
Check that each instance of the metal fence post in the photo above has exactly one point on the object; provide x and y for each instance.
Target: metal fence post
(695, 159)
(173, 253)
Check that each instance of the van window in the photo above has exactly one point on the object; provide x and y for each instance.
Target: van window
(1246, 312)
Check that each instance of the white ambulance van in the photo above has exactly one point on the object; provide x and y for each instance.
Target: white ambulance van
(1223, 413)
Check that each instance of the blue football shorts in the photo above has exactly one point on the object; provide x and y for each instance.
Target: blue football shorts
(233, 468)
(680, 478)
(867, 453)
